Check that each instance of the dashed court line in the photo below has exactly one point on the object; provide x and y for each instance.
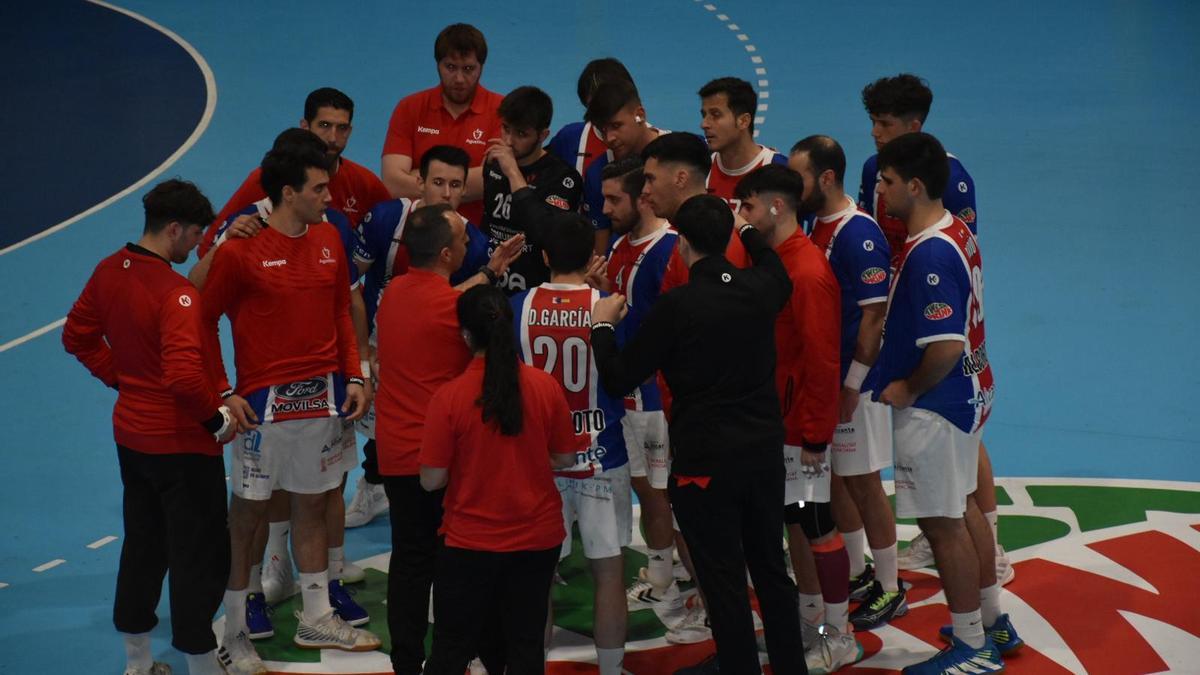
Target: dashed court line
(759, 70)
(102, 542)
(49, 565)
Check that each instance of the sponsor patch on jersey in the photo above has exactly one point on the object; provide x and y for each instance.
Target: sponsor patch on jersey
(967, 215)
(962, 186)
(300, 399)
(936, 311)
(868, 245)
(873, 275)
(558, 202)
(427, 130)
(568, 182)
(933, 279)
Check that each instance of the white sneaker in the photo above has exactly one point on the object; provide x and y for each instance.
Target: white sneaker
(278, 582)
(1004, 569)
(832, 650)
(238, 657)
(643, 595)
(333, 632)
(369, 501)
(918, 554)
(692, 628)
(475, 667)
(156, 668)
(351, 573)
(809, 634)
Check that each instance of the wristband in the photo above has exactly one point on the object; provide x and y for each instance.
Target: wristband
(491, 275)
(742, 229)
(226, 394)
(226, 422)
(355, 380)
(815, 448)
(365, 365)
(856, 375)
(603, 324)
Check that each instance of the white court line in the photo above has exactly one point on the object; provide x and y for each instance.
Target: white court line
(101, 542)
(3, 585)
(32, 334)
(756, 60)
(210, 105)
(49, 565)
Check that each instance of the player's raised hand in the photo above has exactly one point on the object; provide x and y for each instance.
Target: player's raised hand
(502, 154)
(242, 413)
(356, 401)
(506, 253)
(597, 273)
(610, 308)
(245, 226)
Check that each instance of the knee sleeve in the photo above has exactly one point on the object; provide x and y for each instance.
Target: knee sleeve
(814, 518)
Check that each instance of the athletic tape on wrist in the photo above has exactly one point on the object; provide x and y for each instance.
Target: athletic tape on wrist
(856, 375)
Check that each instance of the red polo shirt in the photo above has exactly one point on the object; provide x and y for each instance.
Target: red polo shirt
(421, 121)
(420, 349)
(501, 494)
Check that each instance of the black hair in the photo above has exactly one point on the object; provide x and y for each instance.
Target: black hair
(629, 170)
(446, 154)
(485, 313)
(824, 154)
(598, 71)
(287, 164)
(569, 241)
(527, 108)
(296, 138)
(326, 97)
(175, 200)
(742, 98)
(775, 179)
(921, 156)
(682, 148)
(427, 232)
(905, 96)
(460, 38)
(610, 98)
(707, 222)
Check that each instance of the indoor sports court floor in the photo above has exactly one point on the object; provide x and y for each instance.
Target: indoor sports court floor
(1075, 119)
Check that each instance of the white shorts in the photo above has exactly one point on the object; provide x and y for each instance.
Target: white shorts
(864, 444)
(797, 487)
(645, 434)
(366, 423)
(603, 506)
(936, 464)
(302, 456)
(349, 445)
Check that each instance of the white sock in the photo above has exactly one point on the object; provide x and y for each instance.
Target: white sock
(993, 519)
(856, 548)
(235, 612)
(610, 660)
(337, 561)
(837, 614)
(886, 571)
(659, 569)
(277, 540)
(255, 579)
(968, 627)
(204, 664)
(314, 587)
(137, 651)
(812, 608)
(989, 604)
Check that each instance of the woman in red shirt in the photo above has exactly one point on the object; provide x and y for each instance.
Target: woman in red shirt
(492, 437)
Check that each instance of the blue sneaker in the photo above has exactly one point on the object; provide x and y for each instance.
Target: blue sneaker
(258, 617)
(1002, 634)
(345, 606)
(960, 658)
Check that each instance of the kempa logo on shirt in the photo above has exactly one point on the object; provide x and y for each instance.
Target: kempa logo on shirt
(427, 130)
(274, 263)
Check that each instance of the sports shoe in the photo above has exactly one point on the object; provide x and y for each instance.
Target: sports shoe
(959, 657)
(345, 606)
(918, 554)
(692, 628)
(879, 607)
(708, 666)
(643, 595)
(238, 657)
(860, 586)
(278, 582)
(369, 501)
(332, 632)
(156, 668)
(1004, 569)
(351, 573)
(1002, 634)
(258, 617)
(832, 650)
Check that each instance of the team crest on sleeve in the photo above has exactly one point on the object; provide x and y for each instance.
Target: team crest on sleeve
(185, 300)
(873, 275)
(568, 182)
(868, 245)
(933, 279)
(936, 311)
(962, 186)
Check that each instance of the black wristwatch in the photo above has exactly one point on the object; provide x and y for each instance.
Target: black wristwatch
(491, 275)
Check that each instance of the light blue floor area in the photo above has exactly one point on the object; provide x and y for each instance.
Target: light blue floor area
(1075, 120)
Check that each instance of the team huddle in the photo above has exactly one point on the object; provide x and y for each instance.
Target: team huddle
(529, 330)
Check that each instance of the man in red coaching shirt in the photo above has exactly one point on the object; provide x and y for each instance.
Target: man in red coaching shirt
(458, 111)
(136, 327)
(353, 188)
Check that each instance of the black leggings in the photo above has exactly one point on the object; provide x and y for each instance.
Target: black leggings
(815, 518)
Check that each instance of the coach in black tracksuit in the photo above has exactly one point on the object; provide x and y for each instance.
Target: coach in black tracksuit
(714, 341)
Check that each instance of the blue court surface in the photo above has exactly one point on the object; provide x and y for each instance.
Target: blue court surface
(1074, 118)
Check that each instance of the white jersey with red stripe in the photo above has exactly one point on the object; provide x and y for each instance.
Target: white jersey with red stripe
(722, 181)
(554, 330)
